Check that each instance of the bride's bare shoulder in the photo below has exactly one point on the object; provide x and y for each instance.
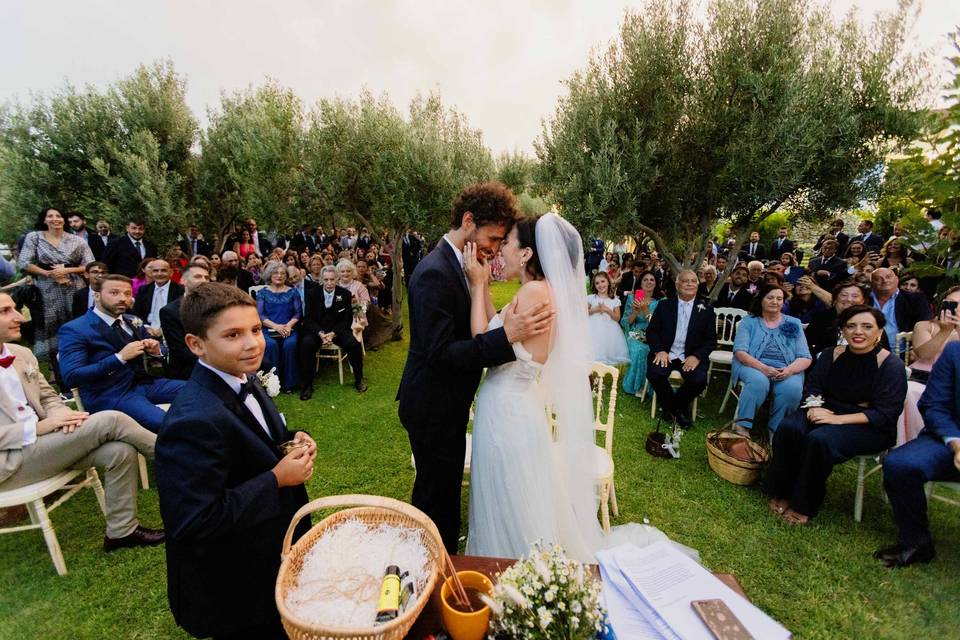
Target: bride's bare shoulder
(533, 292)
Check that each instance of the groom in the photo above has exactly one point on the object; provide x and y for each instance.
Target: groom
(445, 362)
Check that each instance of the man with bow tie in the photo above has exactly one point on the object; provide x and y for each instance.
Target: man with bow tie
(102, 353)
(40, 436)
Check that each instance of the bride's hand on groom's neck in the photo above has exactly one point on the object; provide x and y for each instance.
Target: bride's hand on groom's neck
(521, 326)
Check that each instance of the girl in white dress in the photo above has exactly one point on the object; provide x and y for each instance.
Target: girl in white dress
(525, 484)
(609, 343)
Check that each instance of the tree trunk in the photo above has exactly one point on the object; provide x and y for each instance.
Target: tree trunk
(397, 288)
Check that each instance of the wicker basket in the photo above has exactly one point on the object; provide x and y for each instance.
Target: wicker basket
(730, 468)
(372, 510)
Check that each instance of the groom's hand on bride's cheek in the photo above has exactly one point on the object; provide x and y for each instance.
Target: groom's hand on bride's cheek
(529, 323)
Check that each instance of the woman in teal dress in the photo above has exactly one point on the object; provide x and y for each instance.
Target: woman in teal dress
(636, 316)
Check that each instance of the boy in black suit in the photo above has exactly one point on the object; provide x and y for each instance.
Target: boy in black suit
(681, 335)
(227, 492)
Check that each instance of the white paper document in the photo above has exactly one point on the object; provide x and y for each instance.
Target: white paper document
(648, 592)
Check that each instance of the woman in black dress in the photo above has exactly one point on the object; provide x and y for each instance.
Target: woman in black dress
(862, 387)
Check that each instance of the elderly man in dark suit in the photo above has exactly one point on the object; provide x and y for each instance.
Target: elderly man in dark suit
(98, 242)
(828, 270)
(681, 335)
(326, 320)
(153, 297)
(180, 359)
(125, 254)
(933, 455)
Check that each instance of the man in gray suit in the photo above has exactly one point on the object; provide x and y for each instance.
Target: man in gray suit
(40, 436)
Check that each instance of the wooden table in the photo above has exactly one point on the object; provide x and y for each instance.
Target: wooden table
(429, 620)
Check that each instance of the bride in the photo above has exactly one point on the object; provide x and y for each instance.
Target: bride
(526, 484)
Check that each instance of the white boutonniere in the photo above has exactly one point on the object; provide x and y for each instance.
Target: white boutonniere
(701, 307)
(270, 382)
(135, 322)
(339, 298)
(32, 373)
(812, 402)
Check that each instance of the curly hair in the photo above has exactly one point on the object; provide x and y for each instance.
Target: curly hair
(488, 202)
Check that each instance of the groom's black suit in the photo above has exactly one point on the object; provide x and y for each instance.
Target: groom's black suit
(439, 382)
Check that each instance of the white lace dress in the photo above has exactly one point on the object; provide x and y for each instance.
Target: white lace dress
(609, 343)
(517, 495)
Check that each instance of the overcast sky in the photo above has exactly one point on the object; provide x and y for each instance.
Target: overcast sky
(501, 62)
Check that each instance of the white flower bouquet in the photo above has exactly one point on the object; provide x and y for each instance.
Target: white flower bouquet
(547, 596)
(270, 382)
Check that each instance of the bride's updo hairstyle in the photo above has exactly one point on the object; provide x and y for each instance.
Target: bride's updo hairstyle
(527, 239)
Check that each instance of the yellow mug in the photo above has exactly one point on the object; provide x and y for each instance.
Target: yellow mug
(466, 626)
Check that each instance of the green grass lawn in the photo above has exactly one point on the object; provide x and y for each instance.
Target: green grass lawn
(819, 581)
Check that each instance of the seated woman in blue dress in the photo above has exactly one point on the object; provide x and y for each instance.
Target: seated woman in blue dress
(769, 356)
(635, 318)
(860, 387)
(280, 310)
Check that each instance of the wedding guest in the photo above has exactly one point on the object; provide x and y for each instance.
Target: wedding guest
(40, 437)
(411, 252)
(855, 256)
(348, 280)
(603, 309)
(734, 292)
(123, 254)
(930, 337)
(894, 256)
(215, 264)
(629, 283)
(823, 331)
(253, 265)
(934, 455)
(327, 320)
(827, 268)
(260, 242)
(194, 245)
(78, 226)
(635, 322)
(910, 283)
(708, 280)
(142, 277)
(102, 353)
(85, 299)
(154, 296)
(227, 492)
(769, 357)
(862, 386)
(803, 305)
(180, 359)
(755, 271)
(177, 261)
(753, 250)
(314, 267)
(613, 270)
(791, 270)
(98, 243)
(834, 232)
(241, 279)
(56, 261)
(244, 245)
(369, 280)
(871, 240)
(781, 245)
(8, 270)
(681, 335)
(901, 309)
(304, 240)
(280, 310)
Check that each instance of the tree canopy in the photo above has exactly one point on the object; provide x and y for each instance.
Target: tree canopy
(680, 123)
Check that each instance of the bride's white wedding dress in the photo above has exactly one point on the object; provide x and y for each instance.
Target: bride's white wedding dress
(519, 481)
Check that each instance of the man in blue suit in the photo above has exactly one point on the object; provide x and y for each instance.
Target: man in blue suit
(933, 455)
(681, 335)
(102, 352)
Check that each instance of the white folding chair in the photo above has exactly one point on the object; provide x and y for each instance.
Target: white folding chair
(333, 352)
(32, 496)
(721, 359)
(141, 461)
(930, 488)
(604, 414)
(676, 380)
(254, 289)
(903, 345)
(862, 475)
